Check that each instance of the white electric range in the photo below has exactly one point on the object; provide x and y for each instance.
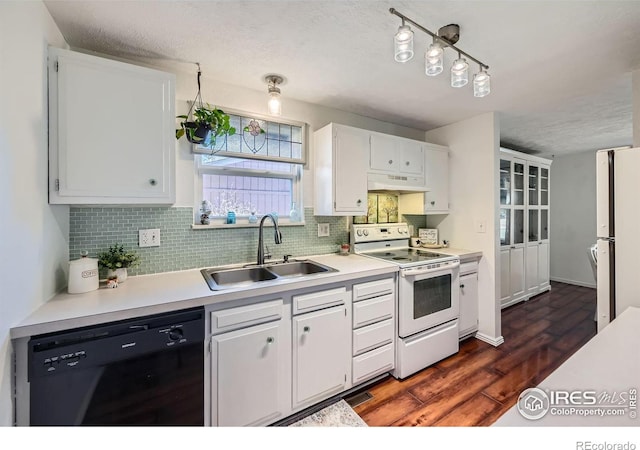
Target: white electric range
(428, 294)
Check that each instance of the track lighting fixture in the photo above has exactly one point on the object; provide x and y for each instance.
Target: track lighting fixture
(434, 56)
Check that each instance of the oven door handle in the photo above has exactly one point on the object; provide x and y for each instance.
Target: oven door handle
(414, 272)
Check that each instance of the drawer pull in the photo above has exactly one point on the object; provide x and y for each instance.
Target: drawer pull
(270, 340)
(306, 329)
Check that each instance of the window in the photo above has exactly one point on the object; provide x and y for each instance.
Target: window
(256, 171)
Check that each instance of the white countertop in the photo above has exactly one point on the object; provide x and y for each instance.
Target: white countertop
(158, 293)
(609, 362)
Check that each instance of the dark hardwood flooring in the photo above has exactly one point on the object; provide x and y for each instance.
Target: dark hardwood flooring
(481, 382)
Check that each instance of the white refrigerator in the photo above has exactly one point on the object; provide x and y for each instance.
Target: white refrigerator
(618, 222)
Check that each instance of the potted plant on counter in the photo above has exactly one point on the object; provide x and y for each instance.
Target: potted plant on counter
(116, 260)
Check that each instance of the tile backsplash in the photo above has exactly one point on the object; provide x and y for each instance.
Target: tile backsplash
(95, 229)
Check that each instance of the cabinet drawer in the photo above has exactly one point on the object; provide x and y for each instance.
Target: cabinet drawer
(376, 288)
(244, 316)
(318, 300)
(468, 267)
(372, 336)
(373, 310)
(373, 363)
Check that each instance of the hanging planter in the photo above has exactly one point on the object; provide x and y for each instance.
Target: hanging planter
(207, 122)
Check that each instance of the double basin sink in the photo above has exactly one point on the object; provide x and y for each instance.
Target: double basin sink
(219, 278)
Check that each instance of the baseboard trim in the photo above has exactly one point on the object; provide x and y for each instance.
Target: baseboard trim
(574, 282)
(490, 339)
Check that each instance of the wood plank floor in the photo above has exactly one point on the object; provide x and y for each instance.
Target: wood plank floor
(481, 382)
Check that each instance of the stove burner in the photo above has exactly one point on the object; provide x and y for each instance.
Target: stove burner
(401, 258)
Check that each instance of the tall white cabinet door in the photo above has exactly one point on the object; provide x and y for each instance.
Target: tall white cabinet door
(532, 268)
(543, 264)
(112, 131)
(517, 278)
(350, 154)
(437, 179)
(505, 277)
(320, 356)
(247, 377)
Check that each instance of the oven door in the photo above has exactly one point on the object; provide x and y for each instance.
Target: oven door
(427, 298)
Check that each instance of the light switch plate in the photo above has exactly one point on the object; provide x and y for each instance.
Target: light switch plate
(323, 230)
(149, 238)
(481, 226)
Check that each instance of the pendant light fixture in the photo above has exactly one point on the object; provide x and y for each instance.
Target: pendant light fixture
(274, 104)
(446, 37)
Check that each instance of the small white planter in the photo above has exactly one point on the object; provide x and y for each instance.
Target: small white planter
(120, 273)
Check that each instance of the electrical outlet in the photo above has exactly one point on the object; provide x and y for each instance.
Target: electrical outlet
(323, 230)
(481, 226)
(149, 238)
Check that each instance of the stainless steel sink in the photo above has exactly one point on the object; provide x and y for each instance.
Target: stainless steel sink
(225, 278)
(219, 278)
(297, 268)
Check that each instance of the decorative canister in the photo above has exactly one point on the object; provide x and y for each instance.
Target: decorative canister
(83, 275)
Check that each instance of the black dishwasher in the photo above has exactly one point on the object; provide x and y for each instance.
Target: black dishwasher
(144, 371)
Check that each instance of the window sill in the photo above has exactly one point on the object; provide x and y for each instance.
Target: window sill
(245, 225)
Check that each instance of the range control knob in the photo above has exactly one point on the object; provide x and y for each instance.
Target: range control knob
(175, 334)
(366, 232)
(359, 232)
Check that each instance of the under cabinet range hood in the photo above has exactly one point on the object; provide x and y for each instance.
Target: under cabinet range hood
(399, 183)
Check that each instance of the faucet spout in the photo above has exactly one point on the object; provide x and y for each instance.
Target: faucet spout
(277, 237)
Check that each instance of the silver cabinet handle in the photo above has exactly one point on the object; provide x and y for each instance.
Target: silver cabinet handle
(153, 182)
(270, 340)
(462, 286)
(391, 161)
(359, 202)
(408, 163)
(306, 329)
(433, 202)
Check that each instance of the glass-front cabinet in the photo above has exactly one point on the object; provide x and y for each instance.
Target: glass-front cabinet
(524, 225)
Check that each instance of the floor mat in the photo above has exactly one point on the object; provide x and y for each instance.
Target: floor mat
(338, 414)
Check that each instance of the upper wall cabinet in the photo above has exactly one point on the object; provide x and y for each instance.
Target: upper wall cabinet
(111, 131)
(435, 199)
(340, 170)
(396, 155)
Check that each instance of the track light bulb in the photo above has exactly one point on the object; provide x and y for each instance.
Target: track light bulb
(434, 60)
(481, 84)
(403, 43)
(459, 73)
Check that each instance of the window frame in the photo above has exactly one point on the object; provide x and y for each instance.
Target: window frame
(298, 167)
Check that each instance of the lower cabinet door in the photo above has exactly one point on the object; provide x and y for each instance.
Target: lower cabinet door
(248, 366)
(468, 304)
(320, 357)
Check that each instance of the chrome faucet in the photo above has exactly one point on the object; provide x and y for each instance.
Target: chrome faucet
(278, 237)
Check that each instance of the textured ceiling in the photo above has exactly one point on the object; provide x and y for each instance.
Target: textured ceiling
(560, 69)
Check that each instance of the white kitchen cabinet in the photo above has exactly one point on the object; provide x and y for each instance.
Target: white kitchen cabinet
(524, 226)
(435, 199)
(320, 356)
(250, 364)
(468, 322)
(340, 185)
(111, 131)
(396, 155)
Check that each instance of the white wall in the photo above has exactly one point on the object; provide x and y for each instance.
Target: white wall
(33, 235)
(573, 217)
(242, 99)
(474, 146)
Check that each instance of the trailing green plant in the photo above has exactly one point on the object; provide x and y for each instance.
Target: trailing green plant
(207, 124)
(117, 258)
